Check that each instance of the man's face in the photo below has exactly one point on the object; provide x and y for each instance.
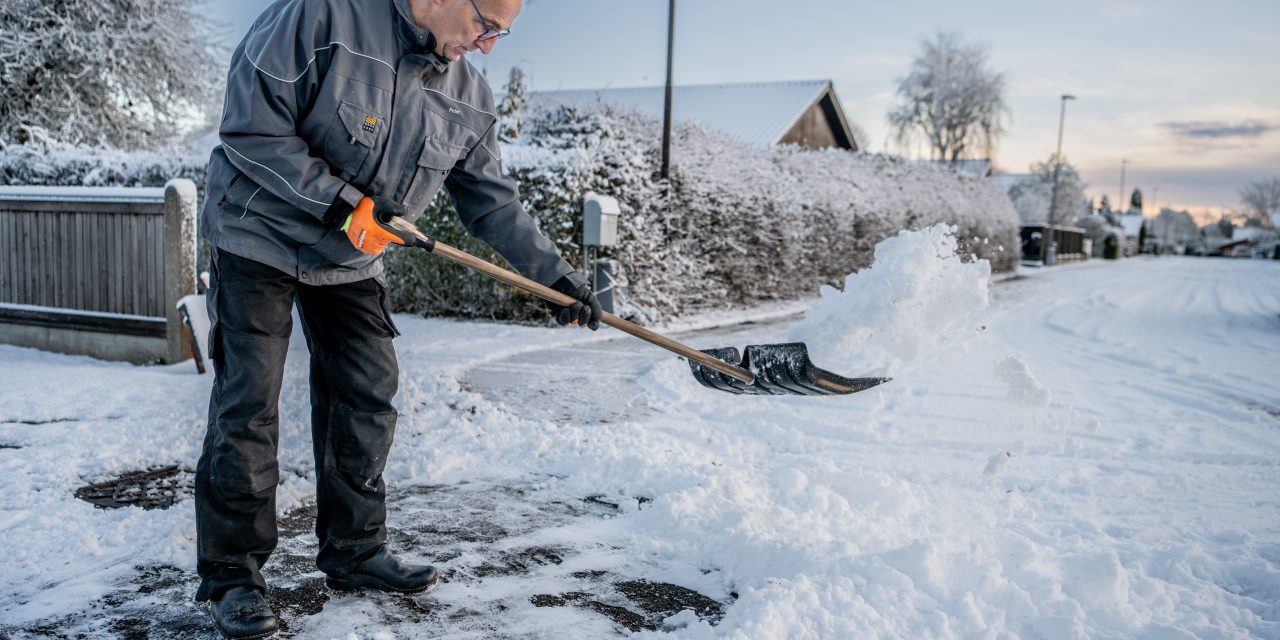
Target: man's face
(457, 26)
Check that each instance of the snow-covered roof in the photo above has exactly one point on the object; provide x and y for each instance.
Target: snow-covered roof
(758, 113)
(1251, 233)
(974, 167)
(1008, 180)
(1132, 223)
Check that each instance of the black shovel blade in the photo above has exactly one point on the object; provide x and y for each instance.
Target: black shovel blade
(779, 370)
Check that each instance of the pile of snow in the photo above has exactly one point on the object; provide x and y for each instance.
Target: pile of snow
(1023, 386)
(918, 299)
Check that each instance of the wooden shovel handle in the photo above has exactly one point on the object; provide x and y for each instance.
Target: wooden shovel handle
(465, 259)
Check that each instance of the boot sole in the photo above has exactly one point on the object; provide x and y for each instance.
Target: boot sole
(260, 636)
(358, 582)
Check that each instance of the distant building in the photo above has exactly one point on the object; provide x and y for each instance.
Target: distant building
(1132, 224)
(804, 113)
(1252, 242)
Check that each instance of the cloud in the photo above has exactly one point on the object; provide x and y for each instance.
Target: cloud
(1217, 129)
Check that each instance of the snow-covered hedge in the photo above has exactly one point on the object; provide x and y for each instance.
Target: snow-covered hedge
(735, 226)
(50, 163)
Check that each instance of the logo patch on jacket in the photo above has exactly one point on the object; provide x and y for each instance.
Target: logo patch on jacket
(370, 123)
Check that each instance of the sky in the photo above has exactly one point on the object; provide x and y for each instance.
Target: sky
(1186, 90)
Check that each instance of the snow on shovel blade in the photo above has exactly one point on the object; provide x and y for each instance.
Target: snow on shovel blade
(779, 369)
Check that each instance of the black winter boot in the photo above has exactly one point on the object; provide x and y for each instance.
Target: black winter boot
(241, 613)
(383, 572)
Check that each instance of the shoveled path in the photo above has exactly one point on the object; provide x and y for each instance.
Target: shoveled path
(596, 382)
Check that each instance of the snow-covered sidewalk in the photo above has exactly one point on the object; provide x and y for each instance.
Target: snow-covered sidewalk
(1094, 455)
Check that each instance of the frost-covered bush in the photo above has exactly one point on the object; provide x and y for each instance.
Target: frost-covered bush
(128, 73)
(736, 224)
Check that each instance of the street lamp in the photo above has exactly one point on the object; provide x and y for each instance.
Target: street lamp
(1048, 245)
(666, 102)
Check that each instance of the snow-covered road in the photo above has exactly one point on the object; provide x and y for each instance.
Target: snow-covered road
(1100, 460)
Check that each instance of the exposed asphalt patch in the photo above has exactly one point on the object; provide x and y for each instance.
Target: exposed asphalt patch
(40, 422)
(519, 538)
(55, 420)
(155, 489)
(656, 601)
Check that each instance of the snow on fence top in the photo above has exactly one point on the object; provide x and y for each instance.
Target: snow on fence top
(82, 194)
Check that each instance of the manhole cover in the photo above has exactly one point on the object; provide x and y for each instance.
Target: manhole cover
(157, 489)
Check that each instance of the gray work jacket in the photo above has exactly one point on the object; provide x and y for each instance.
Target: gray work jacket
(337, 99)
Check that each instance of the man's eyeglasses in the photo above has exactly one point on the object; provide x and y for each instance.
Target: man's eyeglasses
(489, 32)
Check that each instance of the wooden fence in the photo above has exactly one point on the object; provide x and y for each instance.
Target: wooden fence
(1069, 242)
(97, 270)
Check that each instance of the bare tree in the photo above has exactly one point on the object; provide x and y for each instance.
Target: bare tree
(1262, 198)
(128, 73)
(951, 99)
(1174, 232)
(1032, 196)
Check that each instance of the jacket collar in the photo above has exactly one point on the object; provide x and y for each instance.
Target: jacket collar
(417, 39)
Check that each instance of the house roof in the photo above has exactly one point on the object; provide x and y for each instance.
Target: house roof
(759, 113)
(1132, 223)
(1008, 180)
(980, 167)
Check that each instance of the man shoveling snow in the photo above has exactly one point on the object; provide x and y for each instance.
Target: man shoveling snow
(338, 113)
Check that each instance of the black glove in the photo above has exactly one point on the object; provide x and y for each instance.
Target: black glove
(585, 311)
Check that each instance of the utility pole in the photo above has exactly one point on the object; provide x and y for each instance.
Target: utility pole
(666, 107)
(1048, 243)
(1120, 202)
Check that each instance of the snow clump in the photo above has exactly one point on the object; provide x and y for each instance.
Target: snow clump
(1023, 387)
(917, 299)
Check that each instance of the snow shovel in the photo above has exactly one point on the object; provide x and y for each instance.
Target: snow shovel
(763, 369)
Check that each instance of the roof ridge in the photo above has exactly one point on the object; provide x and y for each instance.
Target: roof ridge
(761, 83)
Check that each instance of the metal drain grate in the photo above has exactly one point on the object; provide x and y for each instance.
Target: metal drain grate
(157, 489)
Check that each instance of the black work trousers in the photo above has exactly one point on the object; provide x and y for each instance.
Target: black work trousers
(353, 380)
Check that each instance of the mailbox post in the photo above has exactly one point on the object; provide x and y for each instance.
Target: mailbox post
(599, 229)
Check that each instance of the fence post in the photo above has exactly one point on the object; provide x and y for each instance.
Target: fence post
(179, 262)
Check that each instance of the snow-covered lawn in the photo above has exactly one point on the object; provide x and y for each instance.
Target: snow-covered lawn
(1095, 454)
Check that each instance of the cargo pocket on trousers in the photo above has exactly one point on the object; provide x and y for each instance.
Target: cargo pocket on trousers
(361, 441)
(384, 302)
(211, 308)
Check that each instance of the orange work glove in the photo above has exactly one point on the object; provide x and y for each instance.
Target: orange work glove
(365, 231)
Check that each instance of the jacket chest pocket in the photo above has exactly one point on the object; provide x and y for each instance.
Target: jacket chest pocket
(350, 138)
(437, 158)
